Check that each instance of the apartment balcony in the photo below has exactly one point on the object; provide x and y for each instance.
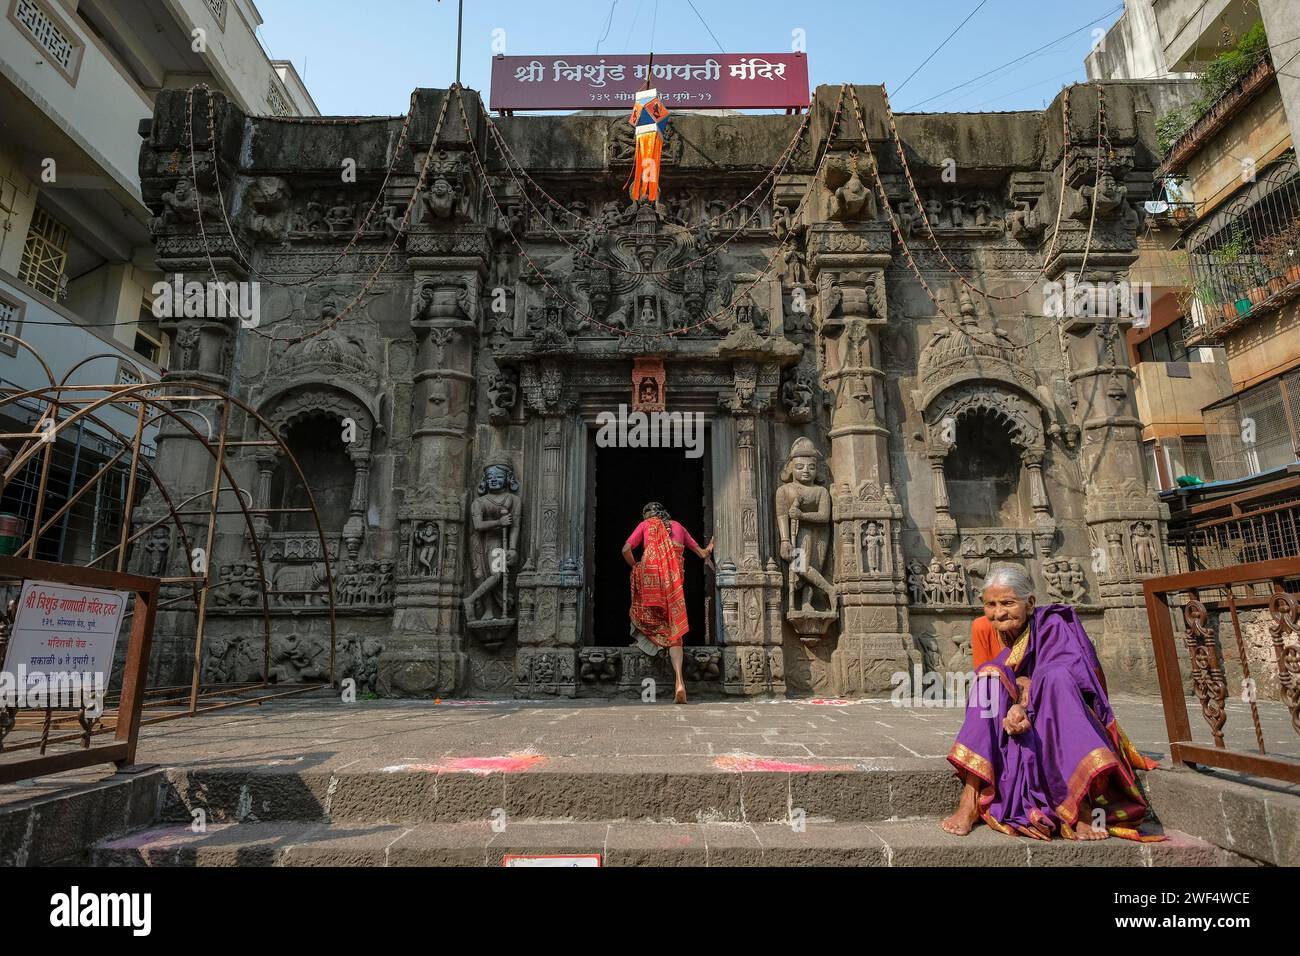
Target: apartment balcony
(72, 349)
(1217, 119)
(1192, 30)
(1245, 259)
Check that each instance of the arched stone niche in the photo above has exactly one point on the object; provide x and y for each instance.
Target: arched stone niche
(1022, 417)
(355, 421)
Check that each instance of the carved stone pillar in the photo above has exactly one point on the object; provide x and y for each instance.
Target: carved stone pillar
(945, 528)
(1044, 525)
(262, 496)
(546, 658)
(847, 262)
(426, 656)
(354, 528)
(748, 590)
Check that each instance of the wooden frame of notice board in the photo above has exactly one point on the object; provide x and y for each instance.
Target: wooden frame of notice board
(139, 639)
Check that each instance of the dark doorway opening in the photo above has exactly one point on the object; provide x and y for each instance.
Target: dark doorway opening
(619, 483)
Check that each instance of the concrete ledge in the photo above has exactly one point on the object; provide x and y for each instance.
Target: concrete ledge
(906, 843)
(59, 828)
(1257, 820)
(685, 790)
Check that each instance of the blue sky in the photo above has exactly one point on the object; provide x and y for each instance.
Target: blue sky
(362, 58)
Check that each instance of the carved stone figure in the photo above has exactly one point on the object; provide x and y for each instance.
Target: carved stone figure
(908, 217)
(803, 516)
(797, 395)
(1145, 558)
(934, 585)
(874, 540)
(916, 582)
(957, 212)
(442, 196)
(934, 212)
(494, 542)
(179, 206)
(298, 659)
(314, 215)
(342, 216)
(1075, 582)
(155, 552)
(1115, 550)
(954, 583)
(503, 392)
(426, 550)
(187, 347)
(851, 198)
(1052, 579)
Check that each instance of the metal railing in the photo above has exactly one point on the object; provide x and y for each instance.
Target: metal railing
(1192, 602)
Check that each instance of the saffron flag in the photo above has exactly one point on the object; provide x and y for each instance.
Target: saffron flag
(649, 118)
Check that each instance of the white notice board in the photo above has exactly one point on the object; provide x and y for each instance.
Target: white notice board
(582, 859)
(64, 629)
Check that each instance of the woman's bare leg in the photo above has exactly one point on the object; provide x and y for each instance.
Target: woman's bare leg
(961, 821)
(679, 692)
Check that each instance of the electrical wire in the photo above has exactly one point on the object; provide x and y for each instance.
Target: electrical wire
(940, 46)
(1024, 56)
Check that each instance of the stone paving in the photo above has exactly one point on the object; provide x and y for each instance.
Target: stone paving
(323, 733)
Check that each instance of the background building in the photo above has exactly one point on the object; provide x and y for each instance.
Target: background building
(1219, 372)
(76, 265)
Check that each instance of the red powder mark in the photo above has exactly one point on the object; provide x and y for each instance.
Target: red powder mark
(749, 764)
(511, 763)
(832, 701)
(161, 837)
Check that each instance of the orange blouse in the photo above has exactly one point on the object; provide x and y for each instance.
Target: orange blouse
(984, 642)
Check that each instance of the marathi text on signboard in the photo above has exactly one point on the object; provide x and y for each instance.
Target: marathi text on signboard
(684, 81)
(62, 642)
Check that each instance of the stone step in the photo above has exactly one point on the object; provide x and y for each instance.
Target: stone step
(899, 843)
(659, 790)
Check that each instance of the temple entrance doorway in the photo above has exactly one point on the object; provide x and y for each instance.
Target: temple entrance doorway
(619, 483)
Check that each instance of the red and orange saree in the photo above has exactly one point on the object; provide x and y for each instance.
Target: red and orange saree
(658, 593)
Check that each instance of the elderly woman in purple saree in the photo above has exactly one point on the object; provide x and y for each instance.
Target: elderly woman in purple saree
(1041, 752)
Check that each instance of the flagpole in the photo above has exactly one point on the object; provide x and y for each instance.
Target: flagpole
(460, 14)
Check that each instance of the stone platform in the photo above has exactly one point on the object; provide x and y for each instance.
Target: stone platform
(319, 782)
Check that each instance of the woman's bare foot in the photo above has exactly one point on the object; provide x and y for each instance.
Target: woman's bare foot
(963, 821)
(1084, 829)
(679, 697)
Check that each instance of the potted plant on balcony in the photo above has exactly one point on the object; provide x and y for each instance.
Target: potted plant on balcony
(1212, 304)
(1273, 255)
(1228, 257)
(1284, 246)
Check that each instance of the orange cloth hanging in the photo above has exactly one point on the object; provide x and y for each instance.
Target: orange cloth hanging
(649, 118)
(645, 174)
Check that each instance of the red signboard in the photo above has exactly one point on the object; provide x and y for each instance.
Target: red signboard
(685, 81)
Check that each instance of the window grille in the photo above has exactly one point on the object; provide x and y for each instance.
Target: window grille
(276, 100)
(44, 30)
(11, 322)
(45, 254)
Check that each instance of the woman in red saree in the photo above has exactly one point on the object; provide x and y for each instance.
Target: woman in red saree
(1041, 752)
(658, 595)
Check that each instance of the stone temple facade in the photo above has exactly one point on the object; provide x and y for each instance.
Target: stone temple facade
(440, 334)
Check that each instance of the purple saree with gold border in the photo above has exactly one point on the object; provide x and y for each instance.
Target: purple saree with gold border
(1074, 751)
